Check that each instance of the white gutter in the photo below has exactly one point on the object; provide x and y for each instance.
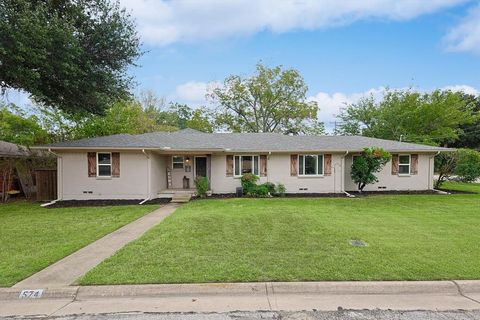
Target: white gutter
(59, 198)
(148, 177)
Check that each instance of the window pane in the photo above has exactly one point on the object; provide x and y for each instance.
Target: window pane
(255, 165)
(404, 159)
(104, 158)
(310, 164)
(247, 164)
(300, 165)
(237, 165)
(320, 165)
(177, 162)
(403, 169)
(104, 170)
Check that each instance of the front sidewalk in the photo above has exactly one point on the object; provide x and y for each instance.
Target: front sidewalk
(223, 297)
(67, 270)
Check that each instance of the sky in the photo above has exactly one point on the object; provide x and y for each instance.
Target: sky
(344, 49)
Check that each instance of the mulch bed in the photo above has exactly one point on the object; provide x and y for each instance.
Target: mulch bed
(103, 203)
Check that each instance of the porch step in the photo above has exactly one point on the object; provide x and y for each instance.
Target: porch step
(181, 198)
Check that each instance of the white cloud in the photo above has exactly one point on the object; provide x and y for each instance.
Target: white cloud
(466, 35)
(194, 92)
(331, 104)
(464, 88)
(163, 22)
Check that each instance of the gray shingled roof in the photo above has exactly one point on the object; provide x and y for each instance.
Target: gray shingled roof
(191, 140)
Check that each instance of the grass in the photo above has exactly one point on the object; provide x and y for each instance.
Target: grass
(411, 237)
(31, 237)
(461, 186)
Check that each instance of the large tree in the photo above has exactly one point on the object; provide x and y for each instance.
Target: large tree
(70, 54)
(431, 118)
(470, 133)
(272, 100)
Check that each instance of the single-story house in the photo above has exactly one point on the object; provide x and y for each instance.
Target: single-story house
(153, 165)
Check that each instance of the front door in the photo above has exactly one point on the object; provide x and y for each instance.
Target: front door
(200, 166)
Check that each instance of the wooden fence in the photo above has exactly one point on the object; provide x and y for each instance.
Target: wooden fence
(46, 181)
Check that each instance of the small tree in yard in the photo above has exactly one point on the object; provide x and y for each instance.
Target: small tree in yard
(468, 165)
(445, 164)
(371, 161)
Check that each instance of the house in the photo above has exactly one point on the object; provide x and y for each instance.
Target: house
(158, 164)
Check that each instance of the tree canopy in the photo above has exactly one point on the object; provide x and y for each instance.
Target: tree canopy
(69, 54)
(272, 100)
(19, 128)
(430, 118)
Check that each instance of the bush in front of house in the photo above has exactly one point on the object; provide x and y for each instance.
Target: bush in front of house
(249, 183)
(468, 165)
(267, 189)
(280, 190)
(201, 183)
(270, 186)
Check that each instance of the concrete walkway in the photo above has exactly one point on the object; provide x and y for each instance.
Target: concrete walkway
(66, 271)
(224, 297)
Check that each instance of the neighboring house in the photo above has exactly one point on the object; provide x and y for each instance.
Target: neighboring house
(156, 164)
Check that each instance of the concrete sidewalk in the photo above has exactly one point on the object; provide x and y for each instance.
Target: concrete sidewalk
(66, 271)
(268, 296)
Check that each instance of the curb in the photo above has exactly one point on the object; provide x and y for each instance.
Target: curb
(254, 289)
(64, 293)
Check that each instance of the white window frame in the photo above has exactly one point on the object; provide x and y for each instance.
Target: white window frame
(104, 165)
(183, 162)
(404, 164)
(302, 174)
(257, 167)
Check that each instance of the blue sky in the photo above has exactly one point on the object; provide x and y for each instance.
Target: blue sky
(344, 49)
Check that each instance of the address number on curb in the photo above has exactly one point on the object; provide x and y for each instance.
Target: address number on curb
(31, 294)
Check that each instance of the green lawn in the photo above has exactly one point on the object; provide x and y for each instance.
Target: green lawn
(461, 186)
(410, 237)
(31, 237)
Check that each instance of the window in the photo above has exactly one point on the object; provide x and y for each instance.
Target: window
(177, 162)
(404, 164)
(310, 164)
(104, 164)
(245, 164)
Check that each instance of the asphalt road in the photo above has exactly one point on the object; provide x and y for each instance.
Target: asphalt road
(266, 315)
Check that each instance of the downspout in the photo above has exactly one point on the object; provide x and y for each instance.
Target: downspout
(59, 198)
(343, 177)
(148, 177)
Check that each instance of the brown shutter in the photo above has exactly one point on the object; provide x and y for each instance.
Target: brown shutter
(229, 170)
(293, 164)
(394, 164)
(92, 164)
(115, 164)
(327, 164)
(414, 164)
(263, 166)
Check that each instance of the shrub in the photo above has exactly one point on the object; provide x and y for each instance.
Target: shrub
(249, 182)
(280, 190)
(270, 186)
(201, 183)
(468, 165)
(260, 191)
